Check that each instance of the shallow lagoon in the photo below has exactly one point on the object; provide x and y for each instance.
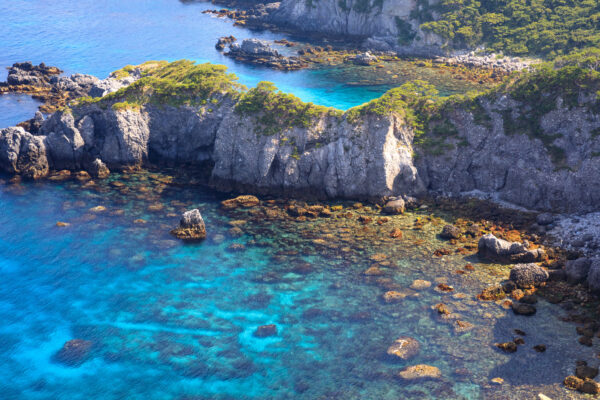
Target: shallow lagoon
(172, 321)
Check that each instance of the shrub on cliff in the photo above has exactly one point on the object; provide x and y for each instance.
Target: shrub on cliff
(276, 111)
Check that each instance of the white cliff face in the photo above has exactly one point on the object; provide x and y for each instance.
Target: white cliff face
(347, 17)
(332, 158)
(383, 23)
(369, 156)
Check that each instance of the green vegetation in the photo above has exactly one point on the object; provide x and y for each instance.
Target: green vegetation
(178, 83)
(532, 27)
(276, 111)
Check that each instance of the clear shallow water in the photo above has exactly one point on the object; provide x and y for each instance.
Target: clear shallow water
(175, 321)
(98, 37)
(15, 108)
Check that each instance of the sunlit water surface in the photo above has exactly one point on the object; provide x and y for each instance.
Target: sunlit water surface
(174, 321)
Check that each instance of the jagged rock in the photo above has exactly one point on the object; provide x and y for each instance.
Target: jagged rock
(23, 153)
(450, 232)
(191, 227)
(74, 352)
(496, 249)
(508, 347)
(224, 41)
(256, 47)
(577, 270)
(404, 348)
(528, 275)
(420, 372)
(25, 73)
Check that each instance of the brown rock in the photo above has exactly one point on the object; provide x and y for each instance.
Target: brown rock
(420, 284)
(540, 348)
(74, 352)
(404, 348)
(420, 372)
(508, 347)
(245, 201)
(394, 296)
(573, 382)
(492, 293)
(396, 233)
(584, 371)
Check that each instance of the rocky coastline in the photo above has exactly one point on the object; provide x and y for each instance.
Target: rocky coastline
(315, 152)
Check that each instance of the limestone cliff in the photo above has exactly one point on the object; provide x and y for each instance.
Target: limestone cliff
(525, 143)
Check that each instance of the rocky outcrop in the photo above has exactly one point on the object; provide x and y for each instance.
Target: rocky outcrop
(496, 249)
(191, 227)
(310, 151)
(528, 275)
(259, 52)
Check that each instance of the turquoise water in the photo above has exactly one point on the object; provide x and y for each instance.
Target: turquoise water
(175, 321)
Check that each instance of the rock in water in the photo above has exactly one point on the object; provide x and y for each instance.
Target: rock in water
(191, 227)
(419, 372)
(98, 169)
(593, 276)
(404, 348)
(394, 207)
(450, 232)
(74, 352)
(491, 247)
(265, 331)
(364, 59)
(245, 201)
(528, 275)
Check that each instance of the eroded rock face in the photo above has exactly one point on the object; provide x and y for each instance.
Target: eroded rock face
(191, 227)
(23, 153)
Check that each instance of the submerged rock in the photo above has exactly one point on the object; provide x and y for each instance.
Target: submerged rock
(528, 275)
(265, 331)
(191, 226)
(450, 232)
(420, 372)
(508, 347)
(74, 352)
(523, 309)
(496, 249)
(244, 201)
(404, 348)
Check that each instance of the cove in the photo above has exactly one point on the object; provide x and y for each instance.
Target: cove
(171, 321)
(98, 38)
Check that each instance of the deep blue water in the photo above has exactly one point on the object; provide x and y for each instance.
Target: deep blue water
(175, 321)
(15, 108)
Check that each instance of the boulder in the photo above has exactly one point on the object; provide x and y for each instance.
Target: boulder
(98, 169)
(74, 352)
(394, 207)
(450, 232)
(420, 372)
(500, 250)
(577, 270)
(364, 59)
(545, 219)
(523, 309)
(404, 348)
(528, 275)
(191, 226)
(257, 48)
